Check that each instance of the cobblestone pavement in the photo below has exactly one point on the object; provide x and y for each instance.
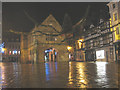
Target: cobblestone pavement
(60, 75)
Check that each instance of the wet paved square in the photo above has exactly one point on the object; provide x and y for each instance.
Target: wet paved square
(60, 75)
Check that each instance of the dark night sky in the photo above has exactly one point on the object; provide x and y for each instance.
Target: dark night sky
(14, 17)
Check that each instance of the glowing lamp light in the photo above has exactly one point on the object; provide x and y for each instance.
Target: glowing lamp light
(45, 51)
(48, 51)
(69, 56)
(9, 52)
(15, 52)
(80, 40)
(80, 43)
(19, 52)
(55, 53)
(3, 50)
(69, 47)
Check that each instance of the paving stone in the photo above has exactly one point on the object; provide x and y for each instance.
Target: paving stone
(64, 75)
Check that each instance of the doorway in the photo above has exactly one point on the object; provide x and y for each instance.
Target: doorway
(51, 55)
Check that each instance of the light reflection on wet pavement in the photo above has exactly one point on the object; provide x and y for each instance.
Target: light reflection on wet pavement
(59, 75)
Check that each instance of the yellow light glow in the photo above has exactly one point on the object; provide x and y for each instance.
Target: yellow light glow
(80, 43)
(69, 47)
(3, 49)
(110, 25)
(2, 72)
(117, 36)
(82, 76)
(80, 40)
(70, 74)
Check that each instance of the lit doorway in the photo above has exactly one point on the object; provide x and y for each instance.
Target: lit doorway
(51, 55)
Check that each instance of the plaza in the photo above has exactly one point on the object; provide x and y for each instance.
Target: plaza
(60, 75)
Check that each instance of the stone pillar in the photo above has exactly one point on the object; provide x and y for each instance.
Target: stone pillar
(40, 54)
(62, 55)
(24, 49)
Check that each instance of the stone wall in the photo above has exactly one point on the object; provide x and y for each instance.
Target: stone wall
(33, 46)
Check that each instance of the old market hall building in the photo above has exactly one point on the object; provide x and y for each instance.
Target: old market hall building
(43, 43)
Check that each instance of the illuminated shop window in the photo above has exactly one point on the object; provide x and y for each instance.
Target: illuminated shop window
(100, 54)
(18, 52)
(80, 43)
(14, 52)
(10, 52)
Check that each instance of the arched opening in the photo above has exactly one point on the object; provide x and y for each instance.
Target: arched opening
(51, 55)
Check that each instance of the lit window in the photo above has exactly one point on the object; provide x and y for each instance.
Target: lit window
(13, 52)
(100, 54)
(80, 43)
(10, 52)
(18, 52)
(115, 17)
(117, 30)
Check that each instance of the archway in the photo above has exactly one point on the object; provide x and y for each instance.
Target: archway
(51, 55)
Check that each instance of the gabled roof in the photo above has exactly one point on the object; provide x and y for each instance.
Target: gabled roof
(50, 20)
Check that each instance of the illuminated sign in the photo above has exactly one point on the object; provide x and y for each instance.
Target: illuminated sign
(100, 54)
(1, 48)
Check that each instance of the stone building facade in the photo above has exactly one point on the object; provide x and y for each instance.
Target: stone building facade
(43, 43)
(114, 10)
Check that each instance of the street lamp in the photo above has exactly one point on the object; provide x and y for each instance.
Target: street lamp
(69, 48)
